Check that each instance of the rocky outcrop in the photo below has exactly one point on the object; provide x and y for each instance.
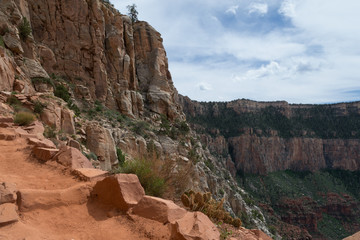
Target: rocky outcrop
(100, 141)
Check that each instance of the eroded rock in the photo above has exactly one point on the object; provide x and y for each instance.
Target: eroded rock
(194, 226)
(72, 158)
(121, 190)
(158, 209)
(100, 141)
(8, 213)
(7, 193)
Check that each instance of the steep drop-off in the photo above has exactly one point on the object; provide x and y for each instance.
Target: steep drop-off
(300, 162)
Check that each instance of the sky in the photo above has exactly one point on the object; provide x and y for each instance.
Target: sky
(300, 51)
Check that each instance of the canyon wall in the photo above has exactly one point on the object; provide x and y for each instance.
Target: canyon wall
(287, 137)
(98, 50)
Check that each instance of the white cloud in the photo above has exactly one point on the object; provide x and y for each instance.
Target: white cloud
(312, 58)
(259, 8)
(203, 86)
(287, 8)
(232, 9)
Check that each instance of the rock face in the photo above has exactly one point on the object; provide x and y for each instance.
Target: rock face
(72, 40)
(258, 151)
(260, 155)
(101, 142)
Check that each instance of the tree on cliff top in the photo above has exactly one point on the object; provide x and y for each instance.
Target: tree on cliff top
(132, 12)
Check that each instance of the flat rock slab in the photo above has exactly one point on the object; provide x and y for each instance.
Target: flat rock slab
(8, 119)
(7, 134)
(89, 174)
(31, 199)
(45, 154)
(8, 213)
(45, 143)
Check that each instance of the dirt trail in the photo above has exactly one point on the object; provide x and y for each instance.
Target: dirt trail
(88, 221)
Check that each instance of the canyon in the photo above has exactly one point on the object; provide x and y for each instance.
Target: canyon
(297, 161)
(101, 91)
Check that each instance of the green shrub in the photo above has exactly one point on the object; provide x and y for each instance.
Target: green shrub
(93, 156)
(73, 107)
(24, 118)
(48, 81)
(120, 156)
(39, 107)
(62, 92)
(164, 125)
(24, 29)
(149, 178)
(49, 132)
(139, 127)
(2, 44)
(13, 101)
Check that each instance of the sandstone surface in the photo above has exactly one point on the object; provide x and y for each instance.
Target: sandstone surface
(158, 209)
(193, 226)
(122, 191)
(72, 158)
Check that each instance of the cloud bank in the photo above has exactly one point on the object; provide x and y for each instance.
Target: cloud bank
(301, 51)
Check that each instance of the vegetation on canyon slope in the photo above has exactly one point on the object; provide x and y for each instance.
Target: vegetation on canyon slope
(324, 192)
(317, 121)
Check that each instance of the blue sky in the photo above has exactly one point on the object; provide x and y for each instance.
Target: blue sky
(300, 51)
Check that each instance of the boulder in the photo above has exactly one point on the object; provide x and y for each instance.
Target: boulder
(8, 213)
(194, 226)
(44, 154)
(100, 141)
(158, 209)
(73, 158)
(122, 191)
(7, 193)
(31, 199)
